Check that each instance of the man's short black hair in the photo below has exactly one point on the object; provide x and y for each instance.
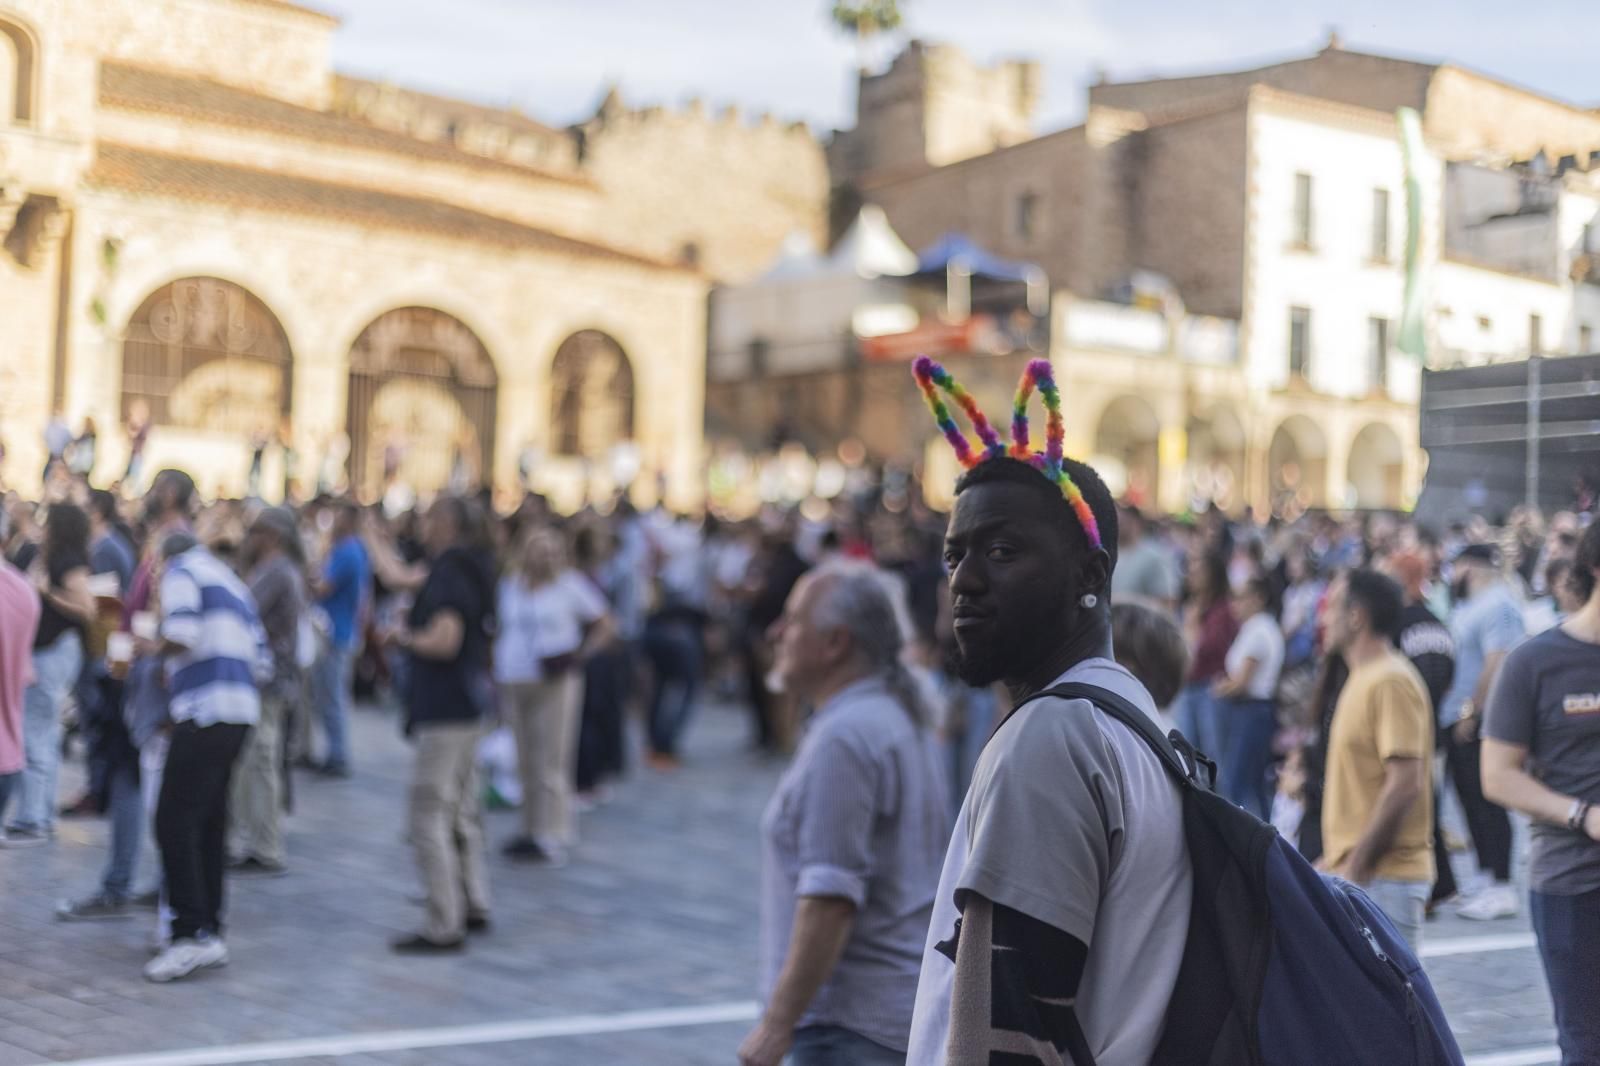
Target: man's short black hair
(103, 504)
(1016, 472)
(1380, 597)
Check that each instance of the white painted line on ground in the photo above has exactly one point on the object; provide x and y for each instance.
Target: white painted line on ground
(1528, 1056)
(445, 1036)
(1473, 945)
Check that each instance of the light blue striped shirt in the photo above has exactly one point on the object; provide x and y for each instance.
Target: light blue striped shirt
(208, 610)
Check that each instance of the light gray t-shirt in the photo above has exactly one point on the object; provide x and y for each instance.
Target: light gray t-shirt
(1072, 821)
(861, 814)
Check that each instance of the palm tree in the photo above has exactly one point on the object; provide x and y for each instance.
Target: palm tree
(864, 19)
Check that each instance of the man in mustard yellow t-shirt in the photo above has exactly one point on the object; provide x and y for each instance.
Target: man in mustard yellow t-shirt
(1377, 811)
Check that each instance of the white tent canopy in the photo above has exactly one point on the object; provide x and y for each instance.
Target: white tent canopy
(805, 308)
(871, 248)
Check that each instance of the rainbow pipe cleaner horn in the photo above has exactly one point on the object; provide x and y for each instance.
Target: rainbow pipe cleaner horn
(934, 379)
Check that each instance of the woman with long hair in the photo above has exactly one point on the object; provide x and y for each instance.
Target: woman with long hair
(60, 573)
(551, 617)
(1208, 628)
(1247, 695)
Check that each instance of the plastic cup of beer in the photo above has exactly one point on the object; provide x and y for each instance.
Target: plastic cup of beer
(145, 625)
(119, 653)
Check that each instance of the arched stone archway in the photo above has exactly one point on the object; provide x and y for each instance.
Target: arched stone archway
(1127, 450)
(592, 396)
(205, 353)
(422, 404)
(1377, 468)
(1216, 449)
(18, 73)
(1297, 466)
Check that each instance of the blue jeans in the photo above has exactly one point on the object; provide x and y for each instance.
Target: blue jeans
(55, 671)
(674, 651)
(332, 680)
(1568, 928)
(1405, 904)
(125, 808)
(1251, 725)
(829, 1045)
(1202, 720)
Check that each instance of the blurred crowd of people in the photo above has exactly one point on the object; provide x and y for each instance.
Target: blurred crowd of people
(198, 652)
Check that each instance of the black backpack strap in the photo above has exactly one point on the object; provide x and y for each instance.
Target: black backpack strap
(1187, 772)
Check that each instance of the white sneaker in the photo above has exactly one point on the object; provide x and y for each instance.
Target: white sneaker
(1494, 902)
(184, 957)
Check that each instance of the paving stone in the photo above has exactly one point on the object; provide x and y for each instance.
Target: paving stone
(658, 909)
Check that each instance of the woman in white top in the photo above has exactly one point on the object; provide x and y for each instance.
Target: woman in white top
(1246, 697)
(550, 616)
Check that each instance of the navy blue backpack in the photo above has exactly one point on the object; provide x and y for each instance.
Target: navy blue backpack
(1283, 966)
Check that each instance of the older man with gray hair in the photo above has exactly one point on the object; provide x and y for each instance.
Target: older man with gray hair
(275, 564)
(854, 835)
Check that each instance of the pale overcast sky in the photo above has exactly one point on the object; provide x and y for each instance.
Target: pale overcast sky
(551, 57)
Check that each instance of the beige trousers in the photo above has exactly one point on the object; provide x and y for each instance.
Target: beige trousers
(544, 719)
(257, 800)
(446, 828)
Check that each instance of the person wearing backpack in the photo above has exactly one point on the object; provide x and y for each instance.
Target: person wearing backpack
(1100, 904)
(1377, 809)
(1065, 891)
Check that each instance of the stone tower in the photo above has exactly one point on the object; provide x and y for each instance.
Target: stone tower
(933, 106)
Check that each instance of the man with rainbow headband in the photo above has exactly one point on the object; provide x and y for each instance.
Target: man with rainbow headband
(1061, 915)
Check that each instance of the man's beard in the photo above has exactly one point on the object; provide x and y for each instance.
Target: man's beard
(1009, 649)
(976, 667)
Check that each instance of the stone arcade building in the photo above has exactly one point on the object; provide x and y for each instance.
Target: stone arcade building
(201, 224)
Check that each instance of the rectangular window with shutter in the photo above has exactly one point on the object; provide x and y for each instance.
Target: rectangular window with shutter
(1302, 211)
(1380, 226)
(1378, 354)
(1026, 220)
(1299, 341)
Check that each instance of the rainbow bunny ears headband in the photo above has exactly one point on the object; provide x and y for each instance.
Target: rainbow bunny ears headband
(934, 379)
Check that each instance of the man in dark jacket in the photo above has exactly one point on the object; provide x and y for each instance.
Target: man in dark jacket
(1426, 641)
(446, 636)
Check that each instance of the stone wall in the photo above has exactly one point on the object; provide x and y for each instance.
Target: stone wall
(1472, 116)
(716, 191)
(269, 48)
(1188, 220)
(972, 110)
(326, 282)
(491, 132)
(980, 197)
(934, 106)
(1332, 74)
(27, 348)
(563, 206)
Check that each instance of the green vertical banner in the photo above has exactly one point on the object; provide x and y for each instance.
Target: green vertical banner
(1413, 336)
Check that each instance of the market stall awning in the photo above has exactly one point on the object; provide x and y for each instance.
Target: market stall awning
(958, 250)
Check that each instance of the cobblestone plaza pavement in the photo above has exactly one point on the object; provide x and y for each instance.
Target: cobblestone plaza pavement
(641, 951)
